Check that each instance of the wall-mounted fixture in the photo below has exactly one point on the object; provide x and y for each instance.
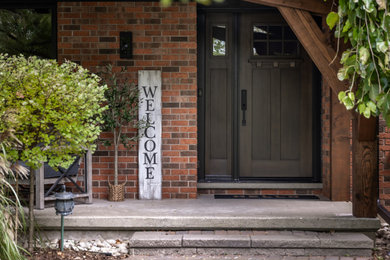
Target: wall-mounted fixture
(126, 45)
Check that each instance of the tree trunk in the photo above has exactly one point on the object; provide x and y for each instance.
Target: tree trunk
(115, 158)
(31, 212)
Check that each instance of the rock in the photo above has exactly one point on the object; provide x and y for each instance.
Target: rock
(379, 241)
(124, 250)
(111, 241)
(94, 249)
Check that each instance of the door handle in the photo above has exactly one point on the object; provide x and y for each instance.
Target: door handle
(243, 105)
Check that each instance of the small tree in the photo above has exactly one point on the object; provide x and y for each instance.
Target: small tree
(122, 103)
(58, 112)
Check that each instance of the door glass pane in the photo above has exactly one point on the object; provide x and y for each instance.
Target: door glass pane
(260, 48)
(291, 48)
(219, 40)
(275, 32)
(275, 48)
(288, 34)
(260, 32)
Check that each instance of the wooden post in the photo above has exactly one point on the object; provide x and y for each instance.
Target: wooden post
(39, 187)
(340, 184)
(88, 163)
(364, 167)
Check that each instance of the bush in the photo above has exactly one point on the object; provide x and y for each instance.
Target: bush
(58, 108)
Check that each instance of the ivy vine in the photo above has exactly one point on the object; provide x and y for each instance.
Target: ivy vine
(364, 25)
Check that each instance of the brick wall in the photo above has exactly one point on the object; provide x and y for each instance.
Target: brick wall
(326, 139)
(163, 39)
(384, 164)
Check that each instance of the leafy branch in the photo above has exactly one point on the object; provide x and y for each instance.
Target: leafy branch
(365, 26)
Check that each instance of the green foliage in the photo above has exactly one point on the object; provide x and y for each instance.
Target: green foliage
(166, 3)
(122, 103)
(57, 108)
(24, 31)
(365, 26)
(9, 221)
(219, 47)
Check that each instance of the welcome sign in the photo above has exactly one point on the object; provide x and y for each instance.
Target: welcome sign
(149, 152)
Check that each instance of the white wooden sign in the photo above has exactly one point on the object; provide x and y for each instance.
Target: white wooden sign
(149, 152)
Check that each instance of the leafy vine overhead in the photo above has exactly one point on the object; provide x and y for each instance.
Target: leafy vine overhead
(166, 3)
(365, 26)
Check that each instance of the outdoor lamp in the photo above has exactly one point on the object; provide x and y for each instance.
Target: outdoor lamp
(64, 205)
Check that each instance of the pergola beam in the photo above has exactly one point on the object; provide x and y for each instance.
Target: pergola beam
(313, 6)
(314, 42)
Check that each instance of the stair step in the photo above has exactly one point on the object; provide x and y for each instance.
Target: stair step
(292, 243)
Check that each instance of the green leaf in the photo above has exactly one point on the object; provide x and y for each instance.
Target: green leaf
(368, 6)
(371, 105)
(165, 3)
(381, 4)
(348, 103)
(382, 46)
(351, 96)
(367, 112)
(347, 26)
(361, 108)
(341, 95)
(364, 55)
(374, 91)
(332, 19)
(342, 74)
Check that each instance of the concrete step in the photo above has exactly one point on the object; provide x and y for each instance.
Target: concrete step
(254, 243)
(209, 214)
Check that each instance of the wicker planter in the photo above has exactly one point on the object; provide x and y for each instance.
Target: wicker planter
(116, 192)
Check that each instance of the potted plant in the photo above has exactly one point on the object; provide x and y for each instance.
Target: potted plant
(122, 102)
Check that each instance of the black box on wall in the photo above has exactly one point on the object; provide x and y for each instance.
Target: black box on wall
(126, 45)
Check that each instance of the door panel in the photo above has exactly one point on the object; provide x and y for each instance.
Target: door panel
(218, 94)
(275, 141)
(274, 127)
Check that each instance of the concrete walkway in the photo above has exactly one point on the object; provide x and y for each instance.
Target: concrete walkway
(207, 213)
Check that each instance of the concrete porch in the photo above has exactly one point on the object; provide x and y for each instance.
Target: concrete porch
(207, 213)
(254, 227)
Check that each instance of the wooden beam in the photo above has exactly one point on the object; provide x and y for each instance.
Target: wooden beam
(340, 181)
(314, 42)
(367, 128)
(313, 6)
(365, 168)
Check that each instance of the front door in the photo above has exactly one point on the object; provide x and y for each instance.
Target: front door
(256, 101)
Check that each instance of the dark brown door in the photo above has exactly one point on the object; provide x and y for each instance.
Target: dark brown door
(258, 91)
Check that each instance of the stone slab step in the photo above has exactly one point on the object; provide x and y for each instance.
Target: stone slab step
(293, 243)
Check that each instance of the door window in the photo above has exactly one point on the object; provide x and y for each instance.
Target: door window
(274, 40)
(219, 40)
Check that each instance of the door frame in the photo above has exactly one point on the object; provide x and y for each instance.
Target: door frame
(236, 8)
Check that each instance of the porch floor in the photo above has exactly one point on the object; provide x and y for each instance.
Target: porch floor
(207, 213)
